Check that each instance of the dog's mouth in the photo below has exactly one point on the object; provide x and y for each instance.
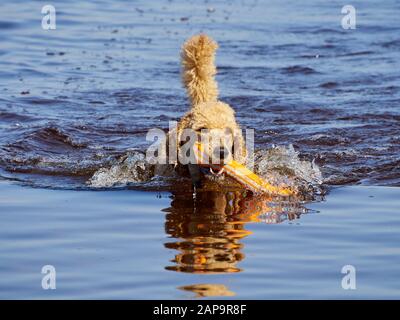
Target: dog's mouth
(208, 171)
(218, 173)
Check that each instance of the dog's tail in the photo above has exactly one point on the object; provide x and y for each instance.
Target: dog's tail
(198, 69)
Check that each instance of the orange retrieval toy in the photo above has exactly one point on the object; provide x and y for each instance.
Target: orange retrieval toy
(240, 173)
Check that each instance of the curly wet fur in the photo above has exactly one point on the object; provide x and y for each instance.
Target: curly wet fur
(198, 69)
(198, 72)
(214, 115)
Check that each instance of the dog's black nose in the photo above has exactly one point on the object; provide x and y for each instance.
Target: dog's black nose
(221, 153)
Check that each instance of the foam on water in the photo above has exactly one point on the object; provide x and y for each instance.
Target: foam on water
(130, 168)
(280, 165)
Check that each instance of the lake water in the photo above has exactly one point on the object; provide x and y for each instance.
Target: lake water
(142, 245)
(80, 98)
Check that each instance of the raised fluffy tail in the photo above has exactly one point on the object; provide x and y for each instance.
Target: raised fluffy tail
(198, 69)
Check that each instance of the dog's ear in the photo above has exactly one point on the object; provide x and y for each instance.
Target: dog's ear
(184, 123)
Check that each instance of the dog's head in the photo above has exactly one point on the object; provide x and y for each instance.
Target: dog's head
(214, 125)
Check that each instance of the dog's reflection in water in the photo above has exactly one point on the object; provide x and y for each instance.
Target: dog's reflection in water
(208, 290)
(206, 229)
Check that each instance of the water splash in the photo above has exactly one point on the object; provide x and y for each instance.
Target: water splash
(131, 168)
(282, 166)
(278, 165)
